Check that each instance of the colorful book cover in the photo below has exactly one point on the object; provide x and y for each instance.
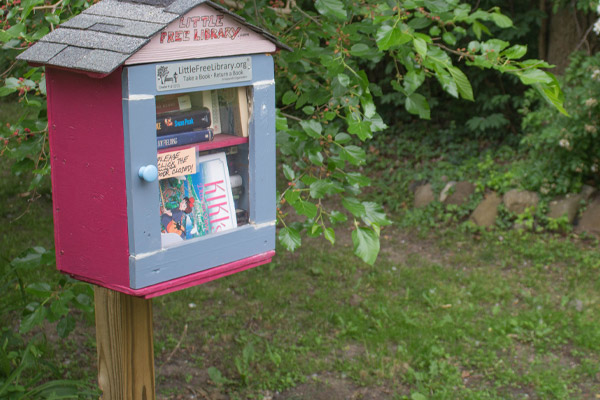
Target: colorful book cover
(199, 204)
(183, 138)
(167, 124)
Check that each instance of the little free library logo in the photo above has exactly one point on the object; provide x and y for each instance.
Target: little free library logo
(191, 74)
(200, 27)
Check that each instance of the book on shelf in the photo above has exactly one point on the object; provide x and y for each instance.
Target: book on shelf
(210, 100)
(235, 113)
(167, 104)
(182, 121)
(184, 138)
(198, 204)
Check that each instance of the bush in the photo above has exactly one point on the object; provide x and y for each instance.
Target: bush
(565, 151)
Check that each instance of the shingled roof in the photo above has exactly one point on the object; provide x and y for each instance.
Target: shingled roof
(102, 37)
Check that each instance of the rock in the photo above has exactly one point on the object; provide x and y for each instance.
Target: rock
(565, 205)
(517, 201)
(415, 184)
(590, 219)
(446, 191)
(457, 193)
(486, 212)
(587, 191)
(423, 195)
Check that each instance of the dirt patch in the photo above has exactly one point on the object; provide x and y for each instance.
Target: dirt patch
(324, 387)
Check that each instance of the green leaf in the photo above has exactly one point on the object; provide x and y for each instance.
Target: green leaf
(462, 83)
(312, 128)
(342, 138)
(374, 214)
(354, 206)
(331, 8)
(52, 19)
(305, 208)
(39, 289)
(388, 36)
(420, 46)
(288, 172)
(501, 20)
(413, 80)
(65, 326)
(322, 187)
(515, 52)
(330, 235)
(289, 97)
(308, 110)
(32, 320)
(353, 154)
(532, 76)
(417, 104)
(366, 245)
(356, 178)
(362, 129)
(315, 157)
(337, 217)
(449, 38)
(360, 50)
(289, 238)
(292, 196)
(343, 79)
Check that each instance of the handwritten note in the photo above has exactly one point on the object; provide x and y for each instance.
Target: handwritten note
(177, 163)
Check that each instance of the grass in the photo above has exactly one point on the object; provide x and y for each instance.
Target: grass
(486, 319)
(447, 312)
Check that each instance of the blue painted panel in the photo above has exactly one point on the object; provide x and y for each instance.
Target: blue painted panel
(201, 254)
(149, 263)
(262, 159)
(142, 197)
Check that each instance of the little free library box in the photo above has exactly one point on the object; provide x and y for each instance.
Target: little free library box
(162, 138)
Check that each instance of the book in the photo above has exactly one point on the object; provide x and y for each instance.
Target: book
(167, 104)
(210, 100)
(182, 121)
(199, 204)
(183, 138)
(235, 113)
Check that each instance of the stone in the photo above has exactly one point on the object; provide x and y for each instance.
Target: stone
(590, 219)
(423, 195)
(565, 205)
(587, 191)
(486, 212)
(446, 191)
(457, 193)
(516, 201)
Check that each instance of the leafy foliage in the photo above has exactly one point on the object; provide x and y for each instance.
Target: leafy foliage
(565, 150)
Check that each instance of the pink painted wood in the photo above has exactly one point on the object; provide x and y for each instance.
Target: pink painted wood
(85, 120)
(185, 282)
(221, 140)
(202, 33)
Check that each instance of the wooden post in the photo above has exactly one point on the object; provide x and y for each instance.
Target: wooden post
(125, 346)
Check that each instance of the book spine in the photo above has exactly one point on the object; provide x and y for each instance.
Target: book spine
(172, 104)
(181, 139)
(181, 122)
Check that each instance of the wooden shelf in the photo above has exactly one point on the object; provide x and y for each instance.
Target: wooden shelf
(221, 140)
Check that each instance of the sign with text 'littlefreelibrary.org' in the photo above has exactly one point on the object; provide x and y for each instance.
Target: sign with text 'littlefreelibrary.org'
(191, 74)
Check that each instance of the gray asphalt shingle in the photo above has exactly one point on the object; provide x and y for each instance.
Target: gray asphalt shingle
(95, 40)
(125, 27)
(135, 12)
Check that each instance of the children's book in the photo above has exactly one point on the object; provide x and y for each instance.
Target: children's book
(198, 204)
